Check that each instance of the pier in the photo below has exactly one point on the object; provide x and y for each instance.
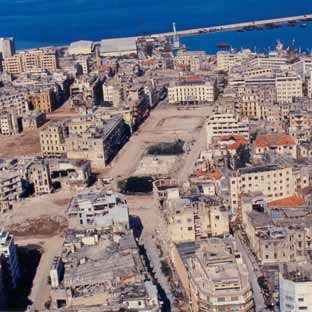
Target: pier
(244, 26)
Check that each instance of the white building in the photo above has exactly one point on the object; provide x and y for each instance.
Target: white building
(8, 255)
(295, 287)
(118, 46)
(223, 124)
(288, 87)
(192, 91)
(101, 210)
(82, 47)
(275, 182)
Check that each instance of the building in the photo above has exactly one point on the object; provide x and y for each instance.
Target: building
(193, 60)
(10, 188)
(7, 47)
(213, 275)
(30, 60)
(272, 61)
(9, 260)
(192, 90)
(52, 139)
(10, 124)
(38, 174)
(44, 101)
(274, 181)
(17, 102)
(295, 287)
(256, 101)
(81, 47)
(195, 217)
(227, 59)
(118, 47)
(113, 93)
(33, 120)
(101, 271)
(289, 86)
(225, 124)
(101, 210)
(278, 144)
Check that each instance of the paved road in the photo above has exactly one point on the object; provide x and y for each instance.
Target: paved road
(257, 294)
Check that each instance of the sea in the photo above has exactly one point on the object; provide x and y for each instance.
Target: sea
(36, 23)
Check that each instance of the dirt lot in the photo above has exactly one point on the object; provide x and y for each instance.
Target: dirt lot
(24, 144)
(165, 124)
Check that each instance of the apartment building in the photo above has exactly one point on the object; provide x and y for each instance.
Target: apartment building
(225, 124)
(295, 287)
(214, 275)
(195, 217)
(30, 60)
(7, 47)
(256, 101)
(44, 101)
(113, 93)
(100, 210)
(10, 124)
(102, 271)
(274, 181)
(289, 86)
(192, 90)
(227, 59)
(52, 139)
(279, 233)
(38, 174)
(9, 260)
(14, 102)
(10, 188)
(272, 61)
(192, 60)
(278, 144)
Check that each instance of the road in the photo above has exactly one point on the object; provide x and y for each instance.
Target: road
(257, 293)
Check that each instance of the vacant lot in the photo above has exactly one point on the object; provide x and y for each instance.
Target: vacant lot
(24, 144)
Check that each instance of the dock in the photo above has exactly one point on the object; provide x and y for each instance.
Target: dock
(252, 25)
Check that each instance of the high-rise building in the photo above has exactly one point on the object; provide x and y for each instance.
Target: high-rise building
(9, 261)
(7, 47)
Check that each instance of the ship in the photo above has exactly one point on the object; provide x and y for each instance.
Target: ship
(222, 45)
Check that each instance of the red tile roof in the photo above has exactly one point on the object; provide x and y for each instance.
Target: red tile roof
(274, 140)
(239, 140)
(292, 201)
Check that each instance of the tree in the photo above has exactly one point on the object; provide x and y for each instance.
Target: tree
(242, 156)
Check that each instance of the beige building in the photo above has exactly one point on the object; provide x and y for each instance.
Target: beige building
(10, 189)
(9, 124)
(39, 175)
(225, 124)
(274, 181)
(213, 275)
(44, 101)
(192, 60)
(288, 87)
(278, 144)
(192, 90)
(30, 60)
(14, 102)
(195, 218)
(97, 140)
(113, 93)
(256, 101)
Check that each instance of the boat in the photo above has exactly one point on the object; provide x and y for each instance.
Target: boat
(222, 45)
(303, 25)
(291, 23)
(240, 30)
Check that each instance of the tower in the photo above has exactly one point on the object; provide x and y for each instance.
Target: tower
(176, 40)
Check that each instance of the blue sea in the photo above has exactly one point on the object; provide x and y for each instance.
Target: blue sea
(36, 23)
